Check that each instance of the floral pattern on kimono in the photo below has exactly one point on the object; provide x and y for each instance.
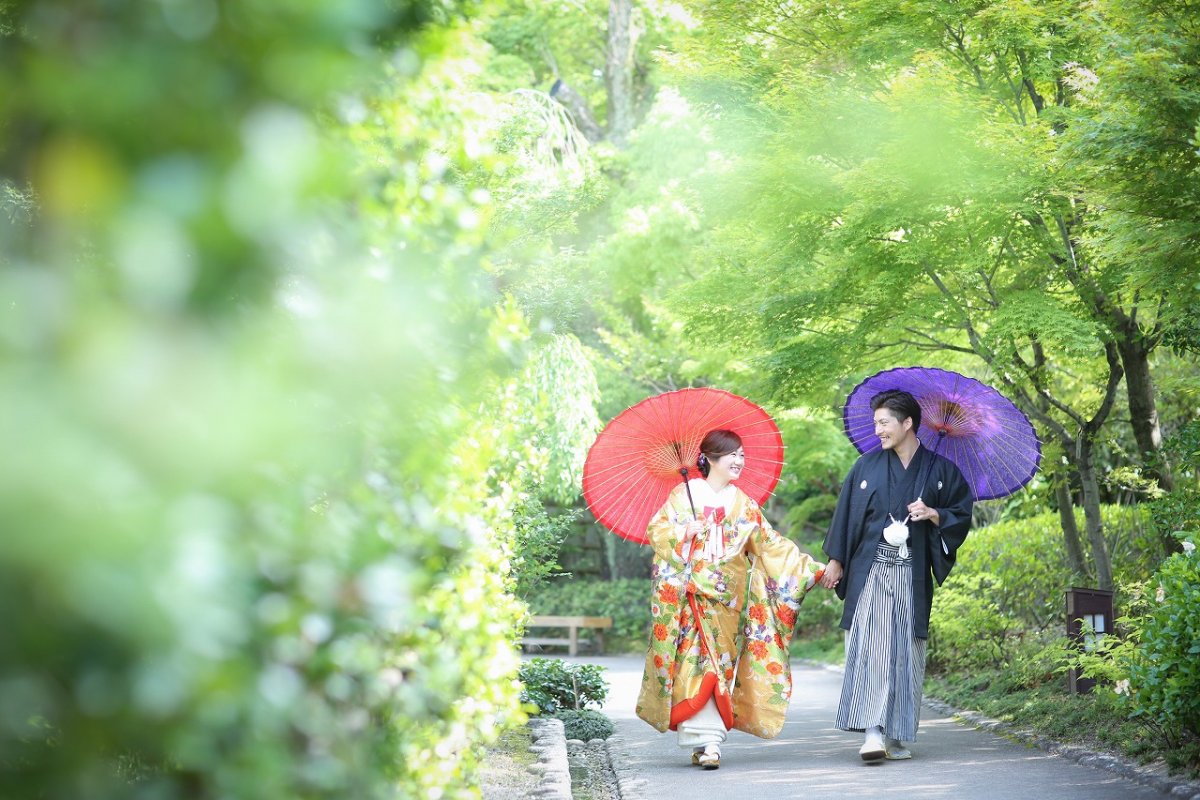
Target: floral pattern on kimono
(696, 607)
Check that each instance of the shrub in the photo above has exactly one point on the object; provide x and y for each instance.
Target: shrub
(967, 628)
(536, 545)
(1039, 660)
(585, 724)
(627, 601)
(1165, 676)
(554, 685)
(1026, 567)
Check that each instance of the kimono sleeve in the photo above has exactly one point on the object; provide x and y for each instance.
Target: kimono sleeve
(665, 531)
(838, 545)
(787, 572)
(955, 502)
(779, 581)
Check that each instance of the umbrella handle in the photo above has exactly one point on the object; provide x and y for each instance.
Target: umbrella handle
(929, 466)
(692, 551)
(684, 472)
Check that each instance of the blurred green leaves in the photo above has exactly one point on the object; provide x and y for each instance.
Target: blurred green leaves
(249, 549)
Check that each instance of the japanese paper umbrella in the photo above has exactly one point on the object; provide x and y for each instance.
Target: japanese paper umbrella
(988, 438)
(651, 447)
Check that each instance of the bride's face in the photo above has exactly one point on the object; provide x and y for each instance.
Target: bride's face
(728, 466)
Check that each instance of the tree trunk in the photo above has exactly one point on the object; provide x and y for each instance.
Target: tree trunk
(618, 72)
(1066, 516)
(577, 107)
(1091, 513)
(1143, 411)
(1134, 346)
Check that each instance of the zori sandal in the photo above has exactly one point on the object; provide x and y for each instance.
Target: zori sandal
(710, 758)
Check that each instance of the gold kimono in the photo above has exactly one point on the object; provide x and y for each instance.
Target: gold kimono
(696, 648)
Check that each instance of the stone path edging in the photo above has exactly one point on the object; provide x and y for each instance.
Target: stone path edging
(550, 743)
(629, 785)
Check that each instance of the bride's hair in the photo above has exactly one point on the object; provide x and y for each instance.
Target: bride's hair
(716, 444)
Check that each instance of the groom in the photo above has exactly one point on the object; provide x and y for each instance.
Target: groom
(901, 516)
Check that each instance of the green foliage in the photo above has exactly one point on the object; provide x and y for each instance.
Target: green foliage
(262, 380)
(626, 601)
(585, 724)
(818, 634)
(1040, 660)
(811, 514)
(1131, 133)
(1003, 606)
(109, 153)
(561, 384)
(967, 628)
(1165, 676)
(1105, 658)
(538, 537)
(816, 459)
(1022, 564)
(554, 685)
(1177, 513)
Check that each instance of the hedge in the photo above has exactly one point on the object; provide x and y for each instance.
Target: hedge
(626, 600)
(1009, 583)
(251, 545)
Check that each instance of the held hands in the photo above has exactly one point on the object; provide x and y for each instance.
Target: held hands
(919, 511)
(833, 574)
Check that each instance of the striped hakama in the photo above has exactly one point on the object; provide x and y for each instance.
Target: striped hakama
(885, 662)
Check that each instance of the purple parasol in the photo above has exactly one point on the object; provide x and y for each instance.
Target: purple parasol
(990, 440)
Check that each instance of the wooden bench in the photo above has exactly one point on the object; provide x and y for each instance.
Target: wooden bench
(573, 625)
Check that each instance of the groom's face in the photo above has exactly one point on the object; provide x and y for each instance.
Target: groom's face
(890, 430)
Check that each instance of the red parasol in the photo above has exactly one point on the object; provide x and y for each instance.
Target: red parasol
(649, 448)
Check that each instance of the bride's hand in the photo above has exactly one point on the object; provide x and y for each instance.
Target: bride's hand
(693, 529)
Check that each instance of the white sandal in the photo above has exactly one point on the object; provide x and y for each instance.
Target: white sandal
(710, 758)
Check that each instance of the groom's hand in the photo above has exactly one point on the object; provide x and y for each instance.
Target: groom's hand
(833, 574)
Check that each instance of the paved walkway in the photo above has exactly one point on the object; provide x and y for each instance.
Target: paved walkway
(812, 760)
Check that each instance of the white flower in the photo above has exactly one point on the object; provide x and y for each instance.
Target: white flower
(1122, 686)
(1188, 547)
(1160, 595)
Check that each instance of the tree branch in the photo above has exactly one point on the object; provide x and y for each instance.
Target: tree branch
(1035, 376)
(1038, 101)
(989, 357)
(1115, 373)
(959, 51)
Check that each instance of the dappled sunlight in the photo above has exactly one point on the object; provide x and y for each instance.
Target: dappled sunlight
(312, 312)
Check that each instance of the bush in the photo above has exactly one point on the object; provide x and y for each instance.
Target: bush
(627, 601)
(251, 547)
(1165, 677)
(967, 628)
(585, 724)
(1025, 567)
(553, 685)
(536, 545)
